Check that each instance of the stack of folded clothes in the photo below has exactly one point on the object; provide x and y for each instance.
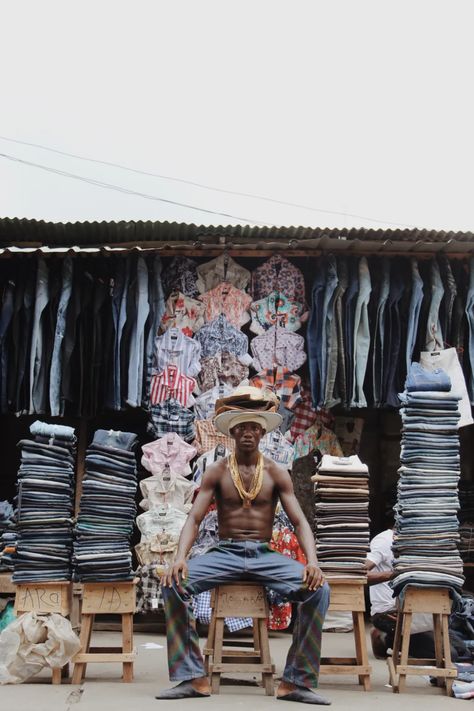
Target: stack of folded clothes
(427, 530)
(342, 515)
(7, 537)
(45, 504)
(107, 509)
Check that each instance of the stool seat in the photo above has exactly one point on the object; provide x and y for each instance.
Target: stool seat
(239, 600)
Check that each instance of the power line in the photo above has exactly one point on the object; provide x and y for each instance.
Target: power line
(196, 184)
(128, 191)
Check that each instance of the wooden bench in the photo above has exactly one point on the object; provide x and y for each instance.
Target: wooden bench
(347, 595)
(239, 600)
(428, 600)
(42, 598)
(105, 599)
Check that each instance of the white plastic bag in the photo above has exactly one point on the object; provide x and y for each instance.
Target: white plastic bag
(33, 642)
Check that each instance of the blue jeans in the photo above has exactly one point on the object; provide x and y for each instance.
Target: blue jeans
(328, 359)
(36, 350)
(119, 310)
(234, 561)
(157, 309)
(470, 320)
(137, 339)
(434, 337)
(378, 363)
(57, 357)
(414, 311)
(315, 337)
(361, 335)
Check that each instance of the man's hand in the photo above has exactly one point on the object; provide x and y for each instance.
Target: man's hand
(180, 568)
(313, 577)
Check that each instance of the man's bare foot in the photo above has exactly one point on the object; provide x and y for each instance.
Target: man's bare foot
(202, 685)
(299, 694)
(284, 688)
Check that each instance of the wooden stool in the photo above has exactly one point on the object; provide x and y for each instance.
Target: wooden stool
(106, 599)
(239, 600)
(429, 600)
(347, 595)
(43, 598)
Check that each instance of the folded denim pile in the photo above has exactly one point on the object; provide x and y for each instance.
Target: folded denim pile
(45, 504)
(341, 487)
(107, 509)
(8, 536)
(427, 530)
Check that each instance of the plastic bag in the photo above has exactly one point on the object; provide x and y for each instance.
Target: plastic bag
(32, 642)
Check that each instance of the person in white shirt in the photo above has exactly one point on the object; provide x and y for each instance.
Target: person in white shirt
(383, 606)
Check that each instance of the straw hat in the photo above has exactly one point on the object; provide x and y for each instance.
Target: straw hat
(247, 404)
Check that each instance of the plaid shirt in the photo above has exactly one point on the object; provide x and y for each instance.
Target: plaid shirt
(202, 612)
(282, 382)
(207, 437)
(171, 383)
(306, 415)
(149, 597)
(170, 416)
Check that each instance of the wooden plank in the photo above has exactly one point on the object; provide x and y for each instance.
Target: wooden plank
(127, 645)
(43, 598)
(105, 598)
(6, 583)
(217, 656)
(356, 669)
(237, 600)
(408, 669)
(104, 658)
(339, 660)
(241, 668)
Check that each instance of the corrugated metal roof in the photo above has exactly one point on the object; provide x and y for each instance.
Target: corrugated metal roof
(37, 233)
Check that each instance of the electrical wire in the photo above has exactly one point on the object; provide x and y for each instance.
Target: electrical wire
(128, 191)
(196, 184)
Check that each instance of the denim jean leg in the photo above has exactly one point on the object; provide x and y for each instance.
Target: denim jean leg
(41, 299)
(56, 360)
(470, 320)
(137, 339)
(361, 335)
(314, 335)
(434, 336)
(414, 310)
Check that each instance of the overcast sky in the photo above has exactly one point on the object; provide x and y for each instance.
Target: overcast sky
(361, 110)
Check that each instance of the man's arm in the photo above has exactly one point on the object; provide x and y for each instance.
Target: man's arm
(375, 577)
(313, 575)
(191, 527)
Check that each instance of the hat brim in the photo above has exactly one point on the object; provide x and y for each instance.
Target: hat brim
(222, 421)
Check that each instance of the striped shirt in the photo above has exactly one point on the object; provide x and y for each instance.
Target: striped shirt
(171, 383)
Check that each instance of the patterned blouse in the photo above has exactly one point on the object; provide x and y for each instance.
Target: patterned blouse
(226, 299)
(278, 274)
(221, 368)
(180, 275)
(184, 313)
(278, 346)
(219, 335)
(317, 437)
(223, 268)
(276, 309)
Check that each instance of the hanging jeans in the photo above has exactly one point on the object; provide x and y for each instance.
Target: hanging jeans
(414, 311)
(470, 320)
(329, 340)
(157, 309)
(378, 363)
(137, 339)
(233, 561)
(361, 335)
(315, 326)
(56, 360)
(41, 299)
(434, 337)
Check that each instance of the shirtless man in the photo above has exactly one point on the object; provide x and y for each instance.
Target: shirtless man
(243, 553)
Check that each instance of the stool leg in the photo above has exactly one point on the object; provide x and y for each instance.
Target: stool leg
(217, 656)
(211, 636)
(127, 645)
(265, 657)
(447, 652)
(256, 635)
(85, 638)
(361, 647)
(438, 643)
(406, 629)
(56, 674)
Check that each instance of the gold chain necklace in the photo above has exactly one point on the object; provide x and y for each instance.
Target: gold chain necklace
(257, 480)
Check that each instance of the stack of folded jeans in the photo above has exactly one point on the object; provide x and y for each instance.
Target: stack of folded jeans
(107, 509)
(7, 536)
(342, 515)
(45, 504)
(427, 530)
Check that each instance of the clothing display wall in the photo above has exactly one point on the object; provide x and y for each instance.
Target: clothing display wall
(107, 509)
(426, 532)
(45, 504)
(341, 487)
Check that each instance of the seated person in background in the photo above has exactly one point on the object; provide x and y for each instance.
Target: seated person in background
(246, 487)
(383, 606)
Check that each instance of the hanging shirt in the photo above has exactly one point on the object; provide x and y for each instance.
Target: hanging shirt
(276, 310)
(170, 416)
(161, 519)
(180, 275)
(317, 437)
(278, 274)
(226, 299)
(167, 488)
(219, 335)
(223, 268)
(275, 446)
(174, 348)
(172, 384)
(204, 406)
(282, 382)
(306, 415)
(278, 346)
(207, 437)
(184, 313)
(170, 452)
(207, 459)
(221, 368)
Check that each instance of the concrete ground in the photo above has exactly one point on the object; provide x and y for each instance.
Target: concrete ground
(103, 689)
